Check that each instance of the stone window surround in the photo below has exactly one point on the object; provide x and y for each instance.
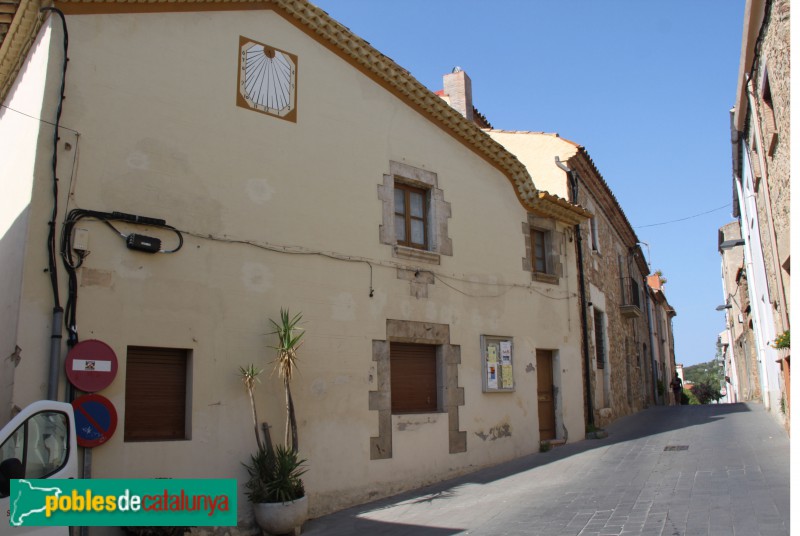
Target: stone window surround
(438, 213)
(554, 243)
(448, 360)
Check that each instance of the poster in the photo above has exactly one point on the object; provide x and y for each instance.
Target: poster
(492, 355)
(505, 352)
(508, 378)
(491, 375)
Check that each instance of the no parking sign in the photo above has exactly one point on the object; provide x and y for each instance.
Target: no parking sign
(95, 419)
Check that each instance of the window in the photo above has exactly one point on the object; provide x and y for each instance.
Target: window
(595, 236)
(599, 338)
(768, 116)
(540, 240)
(411, 216)
(156, 394)
(413, 371)
(414, 214)
(543, 249)
(38, 448)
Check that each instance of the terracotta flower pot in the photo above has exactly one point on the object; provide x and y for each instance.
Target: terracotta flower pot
(281, 518)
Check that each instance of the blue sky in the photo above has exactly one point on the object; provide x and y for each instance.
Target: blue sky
(645, 86)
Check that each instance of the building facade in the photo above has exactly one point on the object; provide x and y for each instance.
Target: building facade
(741, 361)
(190, 200)
(760, 134)
(620, 364)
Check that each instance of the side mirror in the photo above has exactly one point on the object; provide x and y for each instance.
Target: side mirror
(9, 469)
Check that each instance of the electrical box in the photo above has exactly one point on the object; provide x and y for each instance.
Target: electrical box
(80, 239)
(148, 244)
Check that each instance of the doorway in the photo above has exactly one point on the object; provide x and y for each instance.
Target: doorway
(545, 395)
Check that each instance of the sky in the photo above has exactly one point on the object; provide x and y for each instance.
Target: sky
(646, 87)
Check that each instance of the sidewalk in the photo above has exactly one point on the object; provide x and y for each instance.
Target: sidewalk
(678, 471)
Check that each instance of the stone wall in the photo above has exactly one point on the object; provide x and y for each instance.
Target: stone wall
(623, 386)
(771, 91)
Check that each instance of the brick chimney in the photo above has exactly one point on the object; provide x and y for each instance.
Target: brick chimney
(458, 89)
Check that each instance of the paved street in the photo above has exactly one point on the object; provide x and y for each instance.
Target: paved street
(715, 470)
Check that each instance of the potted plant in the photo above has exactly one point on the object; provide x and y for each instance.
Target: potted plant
(782, 343)
(275, 488)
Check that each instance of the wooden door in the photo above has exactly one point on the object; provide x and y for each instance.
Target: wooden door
(547, 407)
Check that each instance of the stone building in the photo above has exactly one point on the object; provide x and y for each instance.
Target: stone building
(741, 360)
(618, 354)
(662, 341)
(760, 135)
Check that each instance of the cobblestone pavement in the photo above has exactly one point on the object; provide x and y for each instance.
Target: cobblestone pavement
(716, 470)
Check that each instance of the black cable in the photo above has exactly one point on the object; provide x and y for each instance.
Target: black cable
(73, 260)
(51, 236)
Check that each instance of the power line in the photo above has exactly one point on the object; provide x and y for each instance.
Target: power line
(39, 119)
(684, 219)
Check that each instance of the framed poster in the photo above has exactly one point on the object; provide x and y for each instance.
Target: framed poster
(497, 360)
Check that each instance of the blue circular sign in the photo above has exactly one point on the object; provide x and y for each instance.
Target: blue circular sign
(95, 420)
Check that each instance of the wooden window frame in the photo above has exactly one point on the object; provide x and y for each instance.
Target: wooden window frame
(547, 251)
(157, 391)
(413, 366)
(407, 217)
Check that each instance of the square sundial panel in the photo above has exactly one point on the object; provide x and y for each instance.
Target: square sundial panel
(267, 79)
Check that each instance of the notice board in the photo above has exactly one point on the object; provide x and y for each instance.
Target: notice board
(497, 357)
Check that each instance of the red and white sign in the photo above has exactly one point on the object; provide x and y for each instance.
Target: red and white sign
(91, 365)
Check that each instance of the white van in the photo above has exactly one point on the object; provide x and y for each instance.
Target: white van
(38, 443)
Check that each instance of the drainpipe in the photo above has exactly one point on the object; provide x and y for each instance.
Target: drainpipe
(573, 179)
(58, 311)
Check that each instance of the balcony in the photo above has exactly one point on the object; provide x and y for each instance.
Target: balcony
(630, 302)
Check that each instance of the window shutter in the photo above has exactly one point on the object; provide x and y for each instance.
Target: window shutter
(413, 378)
(155, 394)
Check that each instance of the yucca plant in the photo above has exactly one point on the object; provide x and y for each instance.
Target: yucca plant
(275, 475)
(289, 341)
(249, 377)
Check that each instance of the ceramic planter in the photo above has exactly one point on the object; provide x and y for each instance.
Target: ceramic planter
(282, 518)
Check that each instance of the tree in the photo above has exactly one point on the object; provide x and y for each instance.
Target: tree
(710, 372)
(706, 392)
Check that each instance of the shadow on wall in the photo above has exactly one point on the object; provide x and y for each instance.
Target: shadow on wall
(12, 248)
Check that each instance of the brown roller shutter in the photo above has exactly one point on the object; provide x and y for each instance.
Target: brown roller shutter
(413, 373)
(155, 394)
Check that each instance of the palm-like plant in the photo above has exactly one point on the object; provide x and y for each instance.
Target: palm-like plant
(249, 377)
(289, 341)
(275, 475)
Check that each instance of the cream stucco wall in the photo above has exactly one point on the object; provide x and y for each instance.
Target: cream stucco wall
(26, 142)
(537, 151)
(153, 96)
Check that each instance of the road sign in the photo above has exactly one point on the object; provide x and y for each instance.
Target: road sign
(95, 420)
(91, 365)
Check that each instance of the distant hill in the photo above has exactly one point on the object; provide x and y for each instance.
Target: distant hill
(709, 372)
